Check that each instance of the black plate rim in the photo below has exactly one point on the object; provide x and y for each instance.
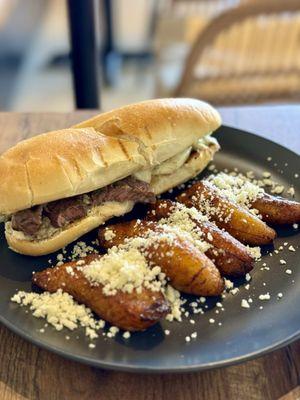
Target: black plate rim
(257, 137)
(182, 369)
(143, 369)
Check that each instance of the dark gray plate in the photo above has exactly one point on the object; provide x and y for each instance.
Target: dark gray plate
(244, 334)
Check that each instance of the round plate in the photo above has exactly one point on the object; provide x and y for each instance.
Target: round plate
(237, 334)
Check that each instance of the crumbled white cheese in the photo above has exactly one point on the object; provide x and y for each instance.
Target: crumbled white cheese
(228, 284)
(113, 330)
(282, 262)
(126, 335)
(292, 248)
(266, 174)
(288, 271)
(278, 189)
(245, 304)
(211, 321)
(194, 335)
(237, 188)
(264, 296)
(255, 252)
(59, 309)
(291, 191)
(124, 270)
(184, 220)
(81, 250)
(109, 234)
(173, 297)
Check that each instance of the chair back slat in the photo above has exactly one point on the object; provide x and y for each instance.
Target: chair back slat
(255, 45)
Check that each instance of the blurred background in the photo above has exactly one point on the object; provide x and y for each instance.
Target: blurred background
(223, 51)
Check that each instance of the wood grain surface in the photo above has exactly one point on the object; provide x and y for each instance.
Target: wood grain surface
(27, 372)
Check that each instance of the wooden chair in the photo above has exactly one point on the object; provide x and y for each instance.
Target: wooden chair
(248, 54)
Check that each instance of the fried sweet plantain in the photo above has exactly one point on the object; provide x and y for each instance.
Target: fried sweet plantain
(188, 269)
(229, 255)
(277, 210)
(236, 220)
(129, 311)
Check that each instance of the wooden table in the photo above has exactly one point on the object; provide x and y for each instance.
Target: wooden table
(28, 372)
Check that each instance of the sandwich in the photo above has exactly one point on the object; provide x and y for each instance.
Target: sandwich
(59, 185)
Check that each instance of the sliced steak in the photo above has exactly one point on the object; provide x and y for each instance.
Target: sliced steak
(128, 189)
(28, 221)
(63, 211)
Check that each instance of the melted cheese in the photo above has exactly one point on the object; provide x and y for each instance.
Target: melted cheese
(173, 163)
(144, 175)
(204, 142)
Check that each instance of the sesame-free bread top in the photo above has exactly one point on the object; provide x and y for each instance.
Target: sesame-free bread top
(61, 164)
(162, 127)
